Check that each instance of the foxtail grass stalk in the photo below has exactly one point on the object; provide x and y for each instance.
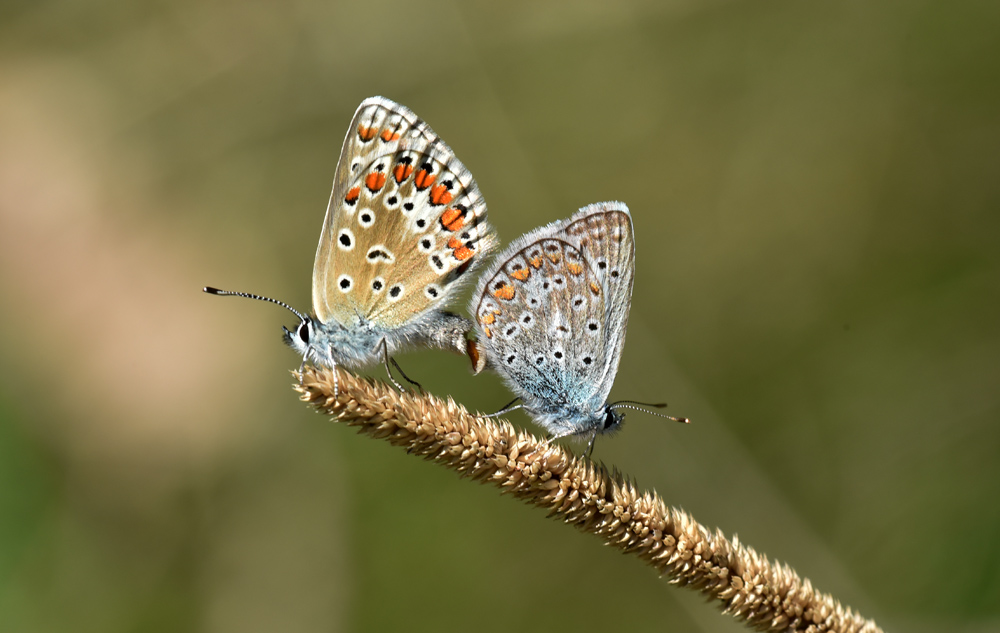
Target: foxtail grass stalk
(765, 595)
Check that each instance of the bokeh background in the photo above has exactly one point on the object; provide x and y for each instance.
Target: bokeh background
(815, 188)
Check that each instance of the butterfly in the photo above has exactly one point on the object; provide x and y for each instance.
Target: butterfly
(550, 317)
(404, 230)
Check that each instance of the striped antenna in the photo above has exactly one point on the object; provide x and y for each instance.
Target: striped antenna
(629, 404)
(230, 293)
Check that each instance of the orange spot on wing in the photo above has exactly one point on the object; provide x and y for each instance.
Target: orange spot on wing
(352, 196)
(440, 195)
(452, 219)
(375, 181)
(402, 172)
(505, 292)
(574, 269)
(594, 288)
(489, 334)
(388, 135)
(554, 257)
(463, 253)
(536, 262)
(366, 133)
(521, 275)
(454, 243)
(488, 319)
(423, 180)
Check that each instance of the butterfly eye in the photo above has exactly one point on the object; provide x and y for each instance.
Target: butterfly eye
(303, 332)
(611, 419)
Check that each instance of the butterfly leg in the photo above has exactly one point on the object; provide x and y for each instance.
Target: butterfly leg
(416, 384)
(333, 368)
(590, 446)
(302, 366)
(386, 360)
(507, 408)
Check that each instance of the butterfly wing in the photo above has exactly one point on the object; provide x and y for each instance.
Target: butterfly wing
(540, 313)
(552, 310)
(603, 233)
(405, 224)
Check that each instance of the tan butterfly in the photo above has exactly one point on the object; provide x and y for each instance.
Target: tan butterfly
(405, 228)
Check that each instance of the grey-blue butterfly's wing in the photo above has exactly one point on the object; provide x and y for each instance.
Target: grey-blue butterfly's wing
(603, 233)
(405, 223)
(541, 313)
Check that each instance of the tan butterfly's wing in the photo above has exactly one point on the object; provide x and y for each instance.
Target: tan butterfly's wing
(405, 225)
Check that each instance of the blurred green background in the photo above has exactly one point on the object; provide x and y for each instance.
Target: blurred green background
(816, 193)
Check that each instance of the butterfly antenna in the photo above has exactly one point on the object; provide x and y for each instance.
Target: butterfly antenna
(629, 404)
(224, 293)
(658, 405)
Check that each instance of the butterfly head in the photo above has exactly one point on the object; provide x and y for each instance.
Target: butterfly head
(612, 419)
(299, 338)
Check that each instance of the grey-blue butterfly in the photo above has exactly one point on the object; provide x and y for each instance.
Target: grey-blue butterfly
(551, 313)
(405, 228)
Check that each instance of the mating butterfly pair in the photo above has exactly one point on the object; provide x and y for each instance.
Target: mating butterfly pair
(405, 228)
